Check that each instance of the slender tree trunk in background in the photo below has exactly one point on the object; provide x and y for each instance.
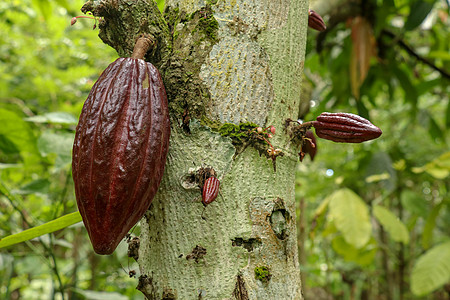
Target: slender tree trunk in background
(222, 61)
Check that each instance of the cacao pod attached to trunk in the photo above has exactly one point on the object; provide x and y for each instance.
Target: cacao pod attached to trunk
(120, 148)
(345, 128)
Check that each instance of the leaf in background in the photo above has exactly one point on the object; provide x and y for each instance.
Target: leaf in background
(396, 229)
(381, 163)
(430, 224)
(160, 5)
(432, 270)
(434, 129)
(59, 143)
(363, 256)
(419, 10)
(44, 6)
(438, 168)
(34, 232)
(447, 120)
(59, 117)
(363, 48)
(411, 94)
(414, 203)
(15, 130)
(94, 295)
(6, 146)
(37, 186)
(351, 217)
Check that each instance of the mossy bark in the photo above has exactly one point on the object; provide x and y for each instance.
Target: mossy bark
(222, 61)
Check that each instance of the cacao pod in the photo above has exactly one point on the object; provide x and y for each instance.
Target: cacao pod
(345, 128)
(210, 190)
(120, 150)
(315, 21)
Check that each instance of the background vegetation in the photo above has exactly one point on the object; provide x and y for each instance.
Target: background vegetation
(374, 218)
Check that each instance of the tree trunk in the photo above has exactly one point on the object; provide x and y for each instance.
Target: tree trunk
(223, 62)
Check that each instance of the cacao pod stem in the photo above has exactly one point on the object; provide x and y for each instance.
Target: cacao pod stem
(143, 44)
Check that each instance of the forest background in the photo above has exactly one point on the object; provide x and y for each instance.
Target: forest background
(373, 218)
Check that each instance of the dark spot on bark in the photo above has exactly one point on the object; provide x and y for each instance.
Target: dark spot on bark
(197, 253)
(280, 219)
(133, 248)
(147, 287)
(249, 244)
(168, 295)
(240, 292)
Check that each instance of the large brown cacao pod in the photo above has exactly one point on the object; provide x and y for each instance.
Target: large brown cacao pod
(120, 150)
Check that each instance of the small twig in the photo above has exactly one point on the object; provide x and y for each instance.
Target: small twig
(411, 52)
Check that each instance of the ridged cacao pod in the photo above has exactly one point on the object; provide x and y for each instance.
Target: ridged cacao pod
(120, 150)
(315, 21)
(345, 128)
(210, 190)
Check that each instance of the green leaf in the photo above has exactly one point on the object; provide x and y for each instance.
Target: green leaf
(410, 91)
(447, 113)
(94, 295)
(37, 186)
(16, 131)
(6, 146)
(351, 217)
(49, 227)
(59, 143)
(363, 256)
(430, 224)
(419, 10)
(381, 164)
(414, 203)
(45, 7)
(59, 117)
(160, 5)
(438, 168)
(396, 229)
(432, 270)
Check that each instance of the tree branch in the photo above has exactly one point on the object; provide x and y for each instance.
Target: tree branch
(411, 52)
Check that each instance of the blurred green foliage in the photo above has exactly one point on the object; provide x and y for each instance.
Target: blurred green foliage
(376, 215)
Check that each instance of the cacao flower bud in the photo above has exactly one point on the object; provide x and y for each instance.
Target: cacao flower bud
(272, 129)
(120, 150)
(315, 21)
(210, 190)
(345, 128)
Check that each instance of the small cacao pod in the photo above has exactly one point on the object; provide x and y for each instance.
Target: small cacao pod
(345, 128)
(310, 145)
(120, 150)
(210, 190)
(315, 21)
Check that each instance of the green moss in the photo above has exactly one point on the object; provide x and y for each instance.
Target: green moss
(209, 26)
(262, 273)
(239, 134)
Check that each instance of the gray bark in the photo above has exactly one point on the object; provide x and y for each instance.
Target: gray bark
(223, 61)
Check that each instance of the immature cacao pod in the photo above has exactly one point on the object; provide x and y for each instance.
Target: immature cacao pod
(310, 147)
(345, 128)
(120, 150)
(315, 21)
(210, 190)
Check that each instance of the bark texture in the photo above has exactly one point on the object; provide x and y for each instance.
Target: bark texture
(222, 61)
